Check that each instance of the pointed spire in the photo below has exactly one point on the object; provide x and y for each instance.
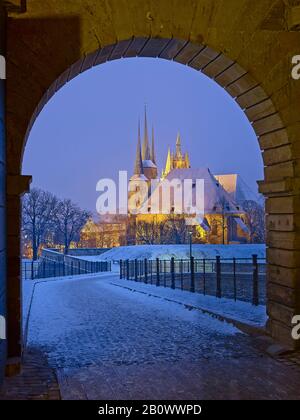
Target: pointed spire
(169, 164)
(153, 158)
(146, 149)
(138, 168)
(178, 146)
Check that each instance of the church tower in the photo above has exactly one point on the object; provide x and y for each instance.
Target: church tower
(138, 178)
(177, 160)
(148, 156)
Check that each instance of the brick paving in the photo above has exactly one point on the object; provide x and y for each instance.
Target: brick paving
(37, 381)
(105, 342)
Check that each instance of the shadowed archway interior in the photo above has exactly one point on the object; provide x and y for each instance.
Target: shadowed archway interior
(249, 58)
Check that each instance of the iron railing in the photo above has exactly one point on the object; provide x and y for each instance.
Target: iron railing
(46, 268)
(235, 278)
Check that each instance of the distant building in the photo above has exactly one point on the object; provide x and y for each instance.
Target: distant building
(224, 218)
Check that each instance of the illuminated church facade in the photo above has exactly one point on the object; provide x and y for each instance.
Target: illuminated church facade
(224, 217)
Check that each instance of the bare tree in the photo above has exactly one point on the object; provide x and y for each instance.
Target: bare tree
(39, 210)
(151, 232)
(255, 221)
(70, 219)
(177, 230)
(220, 222)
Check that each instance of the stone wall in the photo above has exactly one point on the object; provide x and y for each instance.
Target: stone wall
(2, 204)
(244, 45)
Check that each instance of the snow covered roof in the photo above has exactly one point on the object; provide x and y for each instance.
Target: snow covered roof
(214, 194)
(148, 164)
(237, 188)
(138, 178)
(216, 199)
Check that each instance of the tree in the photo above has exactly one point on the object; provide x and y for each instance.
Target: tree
(151, 232)
(39, 210)
(177, 230)
(255, 221)
(220, 222)
(70, 220)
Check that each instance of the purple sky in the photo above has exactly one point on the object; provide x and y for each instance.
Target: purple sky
(88, 130)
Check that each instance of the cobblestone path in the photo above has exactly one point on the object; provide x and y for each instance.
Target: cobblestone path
(106, 342)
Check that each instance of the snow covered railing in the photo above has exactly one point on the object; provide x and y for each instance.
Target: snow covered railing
(238, 279)
(48, 267)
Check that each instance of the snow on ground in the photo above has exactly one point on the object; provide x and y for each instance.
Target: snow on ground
(240, 311)
(179, 252)
(79, 322)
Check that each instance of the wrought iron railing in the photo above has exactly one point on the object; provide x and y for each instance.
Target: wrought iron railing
(235, 278)
(46, 268)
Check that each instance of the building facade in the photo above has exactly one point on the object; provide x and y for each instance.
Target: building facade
(223, 218)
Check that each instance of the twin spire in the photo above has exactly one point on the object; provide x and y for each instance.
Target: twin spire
(147, 154)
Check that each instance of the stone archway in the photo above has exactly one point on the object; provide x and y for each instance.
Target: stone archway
(52, 42)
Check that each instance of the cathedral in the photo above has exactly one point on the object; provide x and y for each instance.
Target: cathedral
(224, 218)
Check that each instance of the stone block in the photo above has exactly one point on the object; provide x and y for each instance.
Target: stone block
(282, 205)
(230, 75)
(268, 124)
(173, 49)
(261, 110)
(282, 334)
(241, 86)
(274, 139)
(119, 50)
(154, 47)
(135, 47)
(252, 97)
(278, 155)
(217, 66)
(288, 277)
(280, 171)
(281, 313)
(283, 257)
(283, 223)
(284, 240)
(281, 294)
(188, 53)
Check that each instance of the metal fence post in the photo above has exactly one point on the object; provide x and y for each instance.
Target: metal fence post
(173, 273)
(218, 273)
(127, 270)
(192, 275)
(234, 279)
(121, 269)
(146, 270)
(157, 272)
(204, 276)
(32, 270)
(255, 281)
(136, 270)
(181, 274)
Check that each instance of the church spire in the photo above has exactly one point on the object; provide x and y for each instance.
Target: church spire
(169, 164)
(138, 168)
(153, 158)
(178, 146)
(146, 149)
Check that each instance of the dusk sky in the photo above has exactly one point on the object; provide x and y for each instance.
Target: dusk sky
(88, 130)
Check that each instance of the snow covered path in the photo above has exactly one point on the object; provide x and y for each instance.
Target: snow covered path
(107, 342)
